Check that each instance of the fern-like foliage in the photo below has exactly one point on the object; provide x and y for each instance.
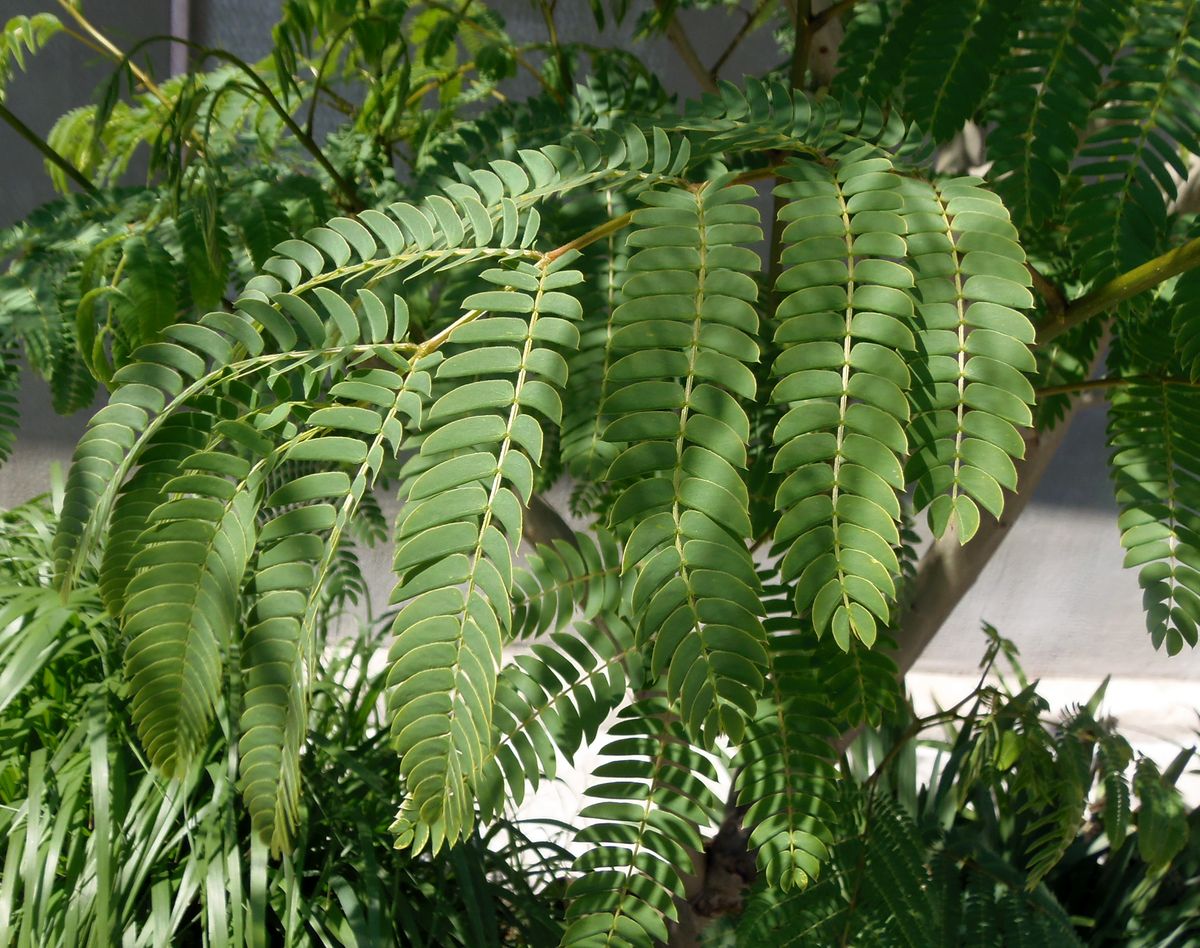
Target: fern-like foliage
(560, 577)
(655, 798)
(843, 383)
(455, 543)
(24, 36)
(970, 394)
(786, 780)
(687, 315)
(1047, 89)
(1127, 165)
(1151, 433)
(572, 285)
(227, 471)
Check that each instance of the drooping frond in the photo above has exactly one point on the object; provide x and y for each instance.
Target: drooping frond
(842, 324)
(552, 701)
(953, 60)
(893, 876)
(785, 776)
(559, 578)
(878, 44)
(970, 393)
(645, 826)
(1153, 430)
(685, 334)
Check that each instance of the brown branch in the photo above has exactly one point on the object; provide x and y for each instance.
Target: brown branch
(687, 52)
(751, 19)
(805, 29)
(1052, 296)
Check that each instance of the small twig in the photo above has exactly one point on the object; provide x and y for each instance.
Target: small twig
(584, 240)
(564, 67)
(1051, 294)
(47, 152)
(1112, 382)
(687, 52)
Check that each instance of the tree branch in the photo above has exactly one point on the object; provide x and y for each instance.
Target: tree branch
(687, 52)
(804, 35)
(1123, 287)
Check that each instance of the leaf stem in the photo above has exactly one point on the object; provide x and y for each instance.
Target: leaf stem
(1112, 382)
(107, 46)
(47, 152)
(1123, 287)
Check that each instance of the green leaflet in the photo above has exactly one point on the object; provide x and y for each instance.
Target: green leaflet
(455, 541)
(300, 547)
(969, 391)
(685, 514)
(844, 387)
